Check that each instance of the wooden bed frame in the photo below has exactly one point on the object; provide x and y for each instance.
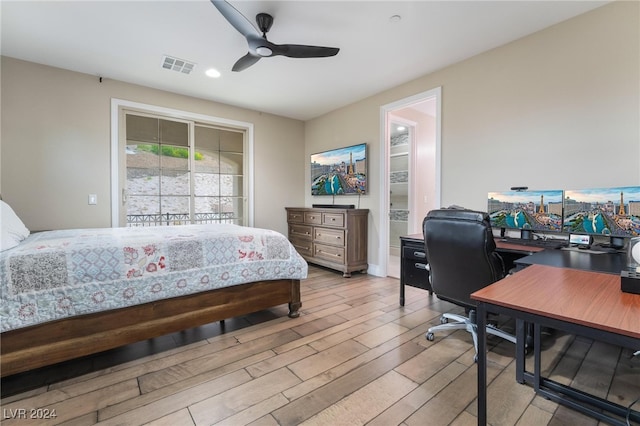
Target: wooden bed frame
(56, 341)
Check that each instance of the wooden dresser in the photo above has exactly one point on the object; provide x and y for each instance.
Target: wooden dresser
(335, 238)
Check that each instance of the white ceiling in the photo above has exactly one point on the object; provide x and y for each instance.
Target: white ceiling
(126, 40)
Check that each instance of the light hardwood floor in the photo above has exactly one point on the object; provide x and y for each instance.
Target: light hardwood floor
(353, 357)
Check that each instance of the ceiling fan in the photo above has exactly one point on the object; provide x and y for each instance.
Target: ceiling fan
(259, 46)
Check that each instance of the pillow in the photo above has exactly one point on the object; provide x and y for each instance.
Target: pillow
(13, 230)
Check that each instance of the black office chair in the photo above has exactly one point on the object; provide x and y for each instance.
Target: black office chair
(461, 258)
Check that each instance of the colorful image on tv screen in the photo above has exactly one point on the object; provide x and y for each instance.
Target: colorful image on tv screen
(533, 210)
(603, 211)
(339, 171)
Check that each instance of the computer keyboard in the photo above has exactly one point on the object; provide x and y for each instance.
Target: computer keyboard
(549, 243)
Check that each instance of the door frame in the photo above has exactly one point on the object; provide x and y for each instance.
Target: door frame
(117, 132)
(386, 116)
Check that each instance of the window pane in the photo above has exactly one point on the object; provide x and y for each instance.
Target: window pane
(207, 139)
(231, 185)
(207, 204)
(143, 182)
(235, 206)
(206, 184)
(231, 163)
(175, 183)
(142, 155)
(142, 129)
(174, 157)
(231, 141)
(231, 205)
(176, 207)
(174, 133)
(143, 210)
(207, 161)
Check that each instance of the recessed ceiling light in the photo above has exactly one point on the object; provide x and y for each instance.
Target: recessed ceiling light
(212, 72)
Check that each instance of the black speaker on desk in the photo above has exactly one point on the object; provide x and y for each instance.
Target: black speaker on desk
(630, 282)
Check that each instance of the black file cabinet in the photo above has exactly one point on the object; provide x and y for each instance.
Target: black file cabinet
(413, 264)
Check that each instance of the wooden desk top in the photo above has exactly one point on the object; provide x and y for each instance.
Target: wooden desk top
(592, 299)
(504, 245)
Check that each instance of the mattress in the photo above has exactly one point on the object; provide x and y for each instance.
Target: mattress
(58, 274)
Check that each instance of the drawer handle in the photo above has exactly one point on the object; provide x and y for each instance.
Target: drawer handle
(419, 254)
(421, 266)
(318, 234)
(333, 219)
(330, 254)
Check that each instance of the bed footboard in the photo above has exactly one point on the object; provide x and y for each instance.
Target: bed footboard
(49, 343)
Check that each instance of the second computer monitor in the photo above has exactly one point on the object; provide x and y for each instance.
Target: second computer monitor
(613, 212)
(526, 210)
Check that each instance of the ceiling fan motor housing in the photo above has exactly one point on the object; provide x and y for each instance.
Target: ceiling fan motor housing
(264, 21)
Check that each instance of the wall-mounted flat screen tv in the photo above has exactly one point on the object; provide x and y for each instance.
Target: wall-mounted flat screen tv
(341, 171)
(528, 210)
(611, 212)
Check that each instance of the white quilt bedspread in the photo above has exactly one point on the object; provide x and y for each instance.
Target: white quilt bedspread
(58, 274)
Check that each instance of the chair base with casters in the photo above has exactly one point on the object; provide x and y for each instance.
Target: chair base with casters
(466, 323)
(462, 258)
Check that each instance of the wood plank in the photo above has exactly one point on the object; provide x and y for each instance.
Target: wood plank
(365, 403)
(233, 401)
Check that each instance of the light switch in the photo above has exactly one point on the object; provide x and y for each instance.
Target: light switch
(93, 199)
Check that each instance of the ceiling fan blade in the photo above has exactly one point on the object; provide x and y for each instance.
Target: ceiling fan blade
(302, 51)
(245, 62)
(235, 18)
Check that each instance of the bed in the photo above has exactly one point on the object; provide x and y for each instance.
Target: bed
(70, 293)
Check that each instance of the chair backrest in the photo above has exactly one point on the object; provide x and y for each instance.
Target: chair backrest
(461, 254)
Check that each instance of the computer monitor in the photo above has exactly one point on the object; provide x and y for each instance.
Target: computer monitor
(527, 211)
(612, 212)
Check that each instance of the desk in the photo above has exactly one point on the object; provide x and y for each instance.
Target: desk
(413, 261)
(611, 263)
(585, 303)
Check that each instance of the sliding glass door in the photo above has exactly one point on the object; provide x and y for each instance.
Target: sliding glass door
(181, 171)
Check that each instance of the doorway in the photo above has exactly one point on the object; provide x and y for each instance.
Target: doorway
(410, 173)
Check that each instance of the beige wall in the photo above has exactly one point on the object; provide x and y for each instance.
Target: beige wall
(56, 146)
(557, 109)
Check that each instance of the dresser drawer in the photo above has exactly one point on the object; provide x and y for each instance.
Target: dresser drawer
(295, 216)
(329, 236)
(333, 219)
(313, 218)
(300, 231)
(302, 246)
(330, 253)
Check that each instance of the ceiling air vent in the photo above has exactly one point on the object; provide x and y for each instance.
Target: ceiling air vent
(179, 65)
